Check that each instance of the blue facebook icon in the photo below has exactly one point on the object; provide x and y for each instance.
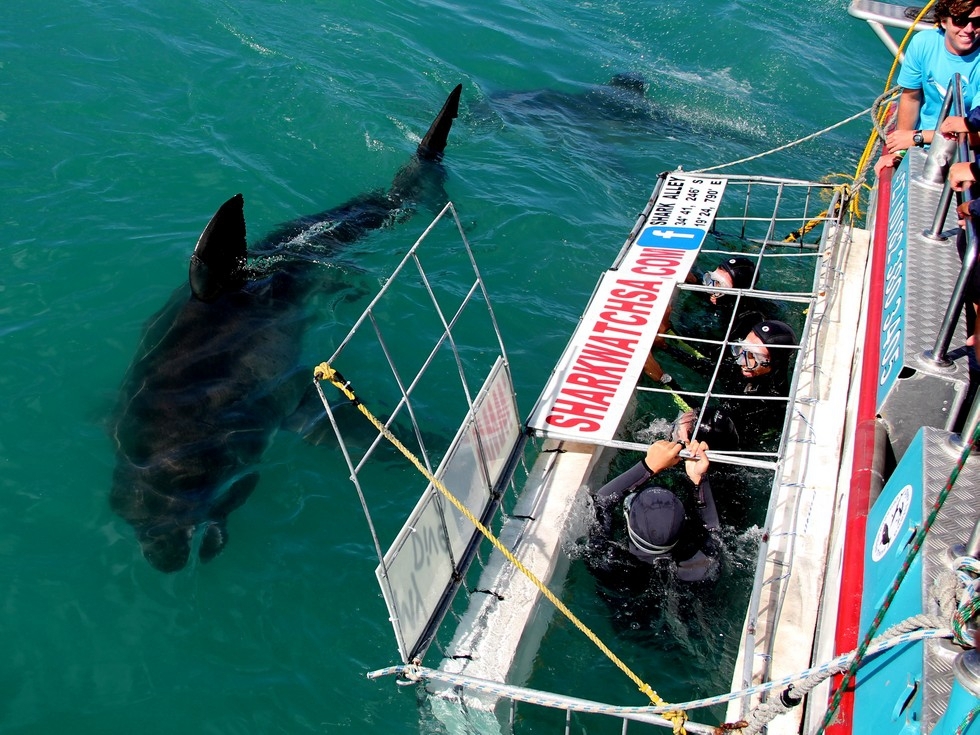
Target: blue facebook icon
(675, 238)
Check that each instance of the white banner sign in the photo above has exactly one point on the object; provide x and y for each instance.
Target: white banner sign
(596, 375)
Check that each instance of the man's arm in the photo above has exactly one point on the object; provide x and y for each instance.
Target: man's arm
(909, 106)
(962, 175)
(703, 565)
(706, 506)
(697, 471)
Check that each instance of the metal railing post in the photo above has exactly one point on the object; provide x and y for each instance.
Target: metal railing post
(937, 355)
(973, 545)
(946, 198)
(941, 150)
(969, 425)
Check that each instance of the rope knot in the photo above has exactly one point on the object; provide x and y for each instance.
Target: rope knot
(323, 371)
(677, 718)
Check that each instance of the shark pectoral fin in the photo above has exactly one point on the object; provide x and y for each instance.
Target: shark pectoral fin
(310, 419)
(434, 142)
(216, 531)
(218, 263)
(214, 540)
(235, 496)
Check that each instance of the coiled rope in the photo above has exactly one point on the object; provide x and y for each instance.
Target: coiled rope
(324, 371)
(958, 599)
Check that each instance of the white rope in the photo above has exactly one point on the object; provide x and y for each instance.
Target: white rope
(767, 711)
(908, 631)
(784, 147)
(951, 590)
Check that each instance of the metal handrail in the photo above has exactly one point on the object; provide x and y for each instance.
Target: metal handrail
(969, 424)
(938, 353)
(942, 151)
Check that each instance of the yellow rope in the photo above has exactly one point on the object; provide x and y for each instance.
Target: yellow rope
(324, 371)
(682, 345)
(846, 195)
(681, 403)
(800, 233)
(885, 110)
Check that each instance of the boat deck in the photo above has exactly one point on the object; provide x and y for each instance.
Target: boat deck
(779, 631)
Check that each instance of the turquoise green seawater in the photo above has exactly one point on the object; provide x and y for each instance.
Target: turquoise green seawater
(123, 125)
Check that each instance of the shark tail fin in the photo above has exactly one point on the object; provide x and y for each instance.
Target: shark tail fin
(434, 143)
(218, 263)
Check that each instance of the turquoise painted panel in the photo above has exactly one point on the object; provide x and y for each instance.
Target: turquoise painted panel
(888, 696)
(892, 346)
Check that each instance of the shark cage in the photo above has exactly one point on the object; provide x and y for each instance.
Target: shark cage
(428, 355)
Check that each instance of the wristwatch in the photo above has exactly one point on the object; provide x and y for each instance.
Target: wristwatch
(917, 138)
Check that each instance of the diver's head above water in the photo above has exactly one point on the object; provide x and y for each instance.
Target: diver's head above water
(734, 272)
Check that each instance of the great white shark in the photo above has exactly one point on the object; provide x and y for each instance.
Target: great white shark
(216, 373)
(603, 111)
(621, 99)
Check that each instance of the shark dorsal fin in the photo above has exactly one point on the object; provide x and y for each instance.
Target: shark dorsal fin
(218, 263)
(434, 143)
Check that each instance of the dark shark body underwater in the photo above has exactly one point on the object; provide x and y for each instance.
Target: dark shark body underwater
(217, 374)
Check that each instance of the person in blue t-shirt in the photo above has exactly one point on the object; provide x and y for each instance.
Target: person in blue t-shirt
(931, 59)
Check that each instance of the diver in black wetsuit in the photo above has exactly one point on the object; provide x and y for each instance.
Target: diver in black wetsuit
(760, 371)
(661, 529)
(736, 271)
(762, 351)
(763, 368)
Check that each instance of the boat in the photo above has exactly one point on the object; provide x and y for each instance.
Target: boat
(861, 603)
